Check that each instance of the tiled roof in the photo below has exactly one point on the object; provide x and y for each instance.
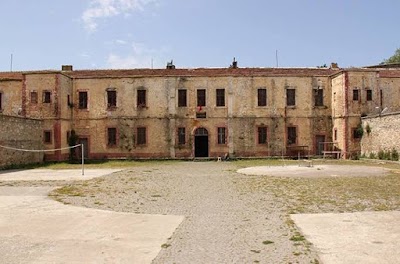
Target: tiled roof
(200, 72)
(10, 76)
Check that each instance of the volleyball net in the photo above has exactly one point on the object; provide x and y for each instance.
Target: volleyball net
(51, 150)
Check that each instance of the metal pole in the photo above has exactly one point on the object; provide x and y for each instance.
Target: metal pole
(83, 159)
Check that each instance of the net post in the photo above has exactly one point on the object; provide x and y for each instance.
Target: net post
(83, 159)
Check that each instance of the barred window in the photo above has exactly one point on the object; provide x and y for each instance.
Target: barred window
(181, 136)
(221, 135)
(34, 97)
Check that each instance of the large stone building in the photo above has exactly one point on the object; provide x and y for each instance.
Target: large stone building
(205, 112)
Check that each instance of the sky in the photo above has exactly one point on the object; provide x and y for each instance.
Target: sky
(123, 34)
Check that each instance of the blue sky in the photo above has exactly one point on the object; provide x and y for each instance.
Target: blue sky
(103, 34)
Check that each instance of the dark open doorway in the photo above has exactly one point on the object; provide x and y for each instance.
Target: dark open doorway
(201, 142)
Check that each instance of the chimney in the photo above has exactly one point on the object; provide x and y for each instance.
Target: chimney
(170, 65)
(234, 64)
(66, 68)
(334, 65)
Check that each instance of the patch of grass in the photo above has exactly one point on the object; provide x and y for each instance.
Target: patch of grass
(68, 190)
(267, 242)
(297, 237)
(165, 245)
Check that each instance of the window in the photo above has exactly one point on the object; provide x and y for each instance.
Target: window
(181, 136)
(47, 137)
(201, 97)
(111, 136)
(290, 97)
(34, 97)
(141, 135)
(318, 97)
(262, 135)
(46, 97)
(111, 99)
(221, 135)
(83, 100)
(291, 135)
(182, 98)
(141, 98)
(262, 97)
(220, 97)
(355, 95)
(369, 95)
(357, 132)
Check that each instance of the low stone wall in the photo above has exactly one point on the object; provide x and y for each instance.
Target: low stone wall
(381, 133)
(21, 133)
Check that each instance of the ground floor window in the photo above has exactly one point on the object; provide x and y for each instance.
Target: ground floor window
(112, 136)
(47, 137)
(291, 135)
(221, 135)
(181, 136)
(262, 135)
(141, 136)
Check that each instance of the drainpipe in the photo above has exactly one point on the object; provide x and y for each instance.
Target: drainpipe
(346, 114)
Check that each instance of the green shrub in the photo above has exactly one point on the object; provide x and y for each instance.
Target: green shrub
(395, 154)
(372, 155)
(381, 154)
(387, 155)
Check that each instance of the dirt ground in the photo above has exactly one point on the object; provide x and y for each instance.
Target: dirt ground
(232, 217)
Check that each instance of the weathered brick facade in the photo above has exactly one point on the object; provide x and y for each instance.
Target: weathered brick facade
(186, 113)
(18, 132)
(381, 133)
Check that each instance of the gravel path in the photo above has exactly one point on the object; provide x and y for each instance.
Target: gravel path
(225, 220)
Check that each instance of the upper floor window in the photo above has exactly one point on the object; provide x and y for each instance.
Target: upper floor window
(369, 95)
(262, 97)
(182, 98)
(290, 97)
(34, 97)
(221, 135)
(141, 98)
(47, 137)
(220, 97)
(46, 97)
(83, 100)
(262, 135)
(318, 97)
(111, 136)
(181, 136)
(201, 97)
(111, 99)
(355, 95)
(141, 136)
(291, 135)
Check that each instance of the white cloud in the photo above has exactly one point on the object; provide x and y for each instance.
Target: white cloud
(139, 57)
(108, 8)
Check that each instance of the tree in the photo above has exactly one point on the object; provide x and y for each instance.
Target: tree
(394, 59)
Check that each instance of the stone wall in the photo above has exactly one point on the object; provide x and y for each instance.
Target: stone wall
(22, 133)
(383, 133)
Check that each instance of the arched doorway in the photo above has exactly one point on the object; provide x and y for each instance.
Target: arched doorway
(201, 142)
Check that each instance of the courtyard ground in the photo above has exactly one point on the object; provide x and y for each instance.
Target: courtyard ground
(232, 217)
